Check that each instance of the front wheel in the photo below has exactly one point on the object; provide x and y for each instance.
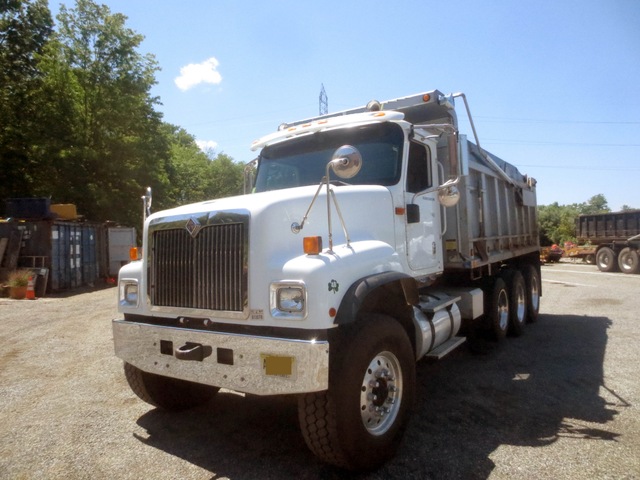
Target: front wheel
(359, 421)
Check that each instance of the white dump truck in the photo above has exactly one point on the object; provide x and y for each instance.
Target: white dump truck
(369, 239)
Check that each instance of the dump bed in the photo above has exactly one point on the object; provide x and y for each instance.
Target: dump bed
(495, 219)
(608, 227)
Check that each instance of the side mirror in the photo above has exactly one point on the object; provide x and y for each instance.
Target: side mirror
(448, 193)
(346, 161)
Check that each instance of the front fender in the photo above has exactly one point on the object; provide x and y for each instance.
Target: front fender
(329, 276)
(402, 287)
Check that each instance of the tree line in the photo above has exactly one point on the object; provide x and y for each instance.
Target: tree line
(78, 122)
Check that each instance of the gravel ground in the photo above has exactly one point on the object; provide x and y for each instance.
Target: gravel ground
(560, 402)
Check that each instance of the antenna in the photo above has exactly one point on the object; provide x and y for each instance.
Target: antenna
(324, 101)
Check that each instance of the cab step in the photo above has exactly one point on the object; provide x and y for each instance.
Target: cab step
(447, 347)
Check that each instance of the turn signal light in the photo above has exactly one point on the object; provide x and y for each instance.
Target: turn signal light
(134, 254)
(312, 245)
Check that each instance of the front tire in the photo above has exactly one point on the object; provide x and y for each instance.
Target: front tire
(167, 393)
(359, 421)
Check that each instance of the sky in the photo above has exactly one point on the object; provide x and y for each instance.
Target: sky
(553, 85)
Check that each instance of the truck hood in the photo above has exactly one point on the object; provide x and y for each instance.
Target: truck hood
(367, 212)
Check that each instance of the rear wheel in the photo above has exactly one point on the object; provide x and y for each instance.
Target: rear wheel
(606, 260)
(590, 259)
(167, 393)
(628, 260)
(497, 308)
(532, 285)
(517, 302)
(359, 421)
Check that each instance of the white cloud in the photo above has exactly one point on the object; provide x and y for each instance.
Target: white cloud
(197, 73)
(206, 145)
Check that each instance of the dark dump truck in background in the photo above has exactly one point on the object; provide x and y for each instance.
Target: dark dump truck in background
(616, 237)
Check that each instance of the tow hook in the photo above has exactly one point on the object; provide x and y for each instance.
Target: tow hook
(192, 351)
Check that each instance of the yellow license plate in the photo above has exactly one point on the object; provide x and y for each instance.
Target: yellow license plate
(274, 365)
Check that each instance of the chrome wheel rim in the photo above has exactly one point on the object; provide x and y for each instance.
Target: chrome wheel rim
(381, 393)
(521, 304)
(535, 293)
(503, 310)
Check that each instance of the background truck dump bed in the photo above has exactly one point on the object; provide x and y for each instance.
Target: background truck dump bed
(608, 227)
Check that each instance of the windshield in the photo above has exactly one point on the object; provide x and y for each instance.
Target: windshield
(302, 161)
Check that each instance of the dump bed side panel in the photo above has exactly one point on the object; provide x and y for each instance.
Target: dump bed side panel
(608, 227)
(495, 219)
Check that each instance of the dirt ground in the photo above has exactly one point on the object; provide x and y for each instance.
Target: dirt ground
(560, 402)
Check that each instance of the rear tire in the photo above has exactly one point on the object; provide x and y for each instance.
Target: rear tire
(629, 260)
(359, 421)
(532, 284)
(517, 302)
(606, 260)
(497, 308)
(167, 393)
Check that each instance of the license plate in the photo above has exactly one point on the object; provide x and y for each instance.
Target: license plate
(274, 365)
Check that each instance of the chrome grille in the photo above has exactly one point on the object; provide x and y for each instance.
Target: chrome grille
(205, 272)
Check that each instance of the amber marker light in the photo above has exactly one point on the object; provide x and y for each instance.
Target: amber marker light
(400, 210)
(312, 245)
(332, 312)
(426, 97)
(133, 254)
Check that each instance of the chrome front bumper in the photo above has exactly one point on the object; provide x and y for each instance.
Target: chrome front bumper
(249, 364)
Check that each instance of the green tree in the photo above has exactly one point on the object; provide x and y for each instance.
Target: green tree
(117, 146)
(596, 204)
(25, 28)
(187, 169)
(227, 176)
(196, 176)
(556, 223)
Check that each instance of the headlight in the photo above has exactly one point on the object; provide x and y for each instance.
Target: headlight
(288, 299)
(128, 293)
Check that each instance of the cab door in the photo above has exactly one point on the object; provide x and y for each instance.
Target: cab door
(423, 227)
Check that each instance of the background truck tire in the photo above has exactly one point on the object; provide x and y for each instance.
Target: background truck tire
(359, 421)
(517, 301)
(606, 260)
(628, 260)
(167, 393)
(497, 308)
